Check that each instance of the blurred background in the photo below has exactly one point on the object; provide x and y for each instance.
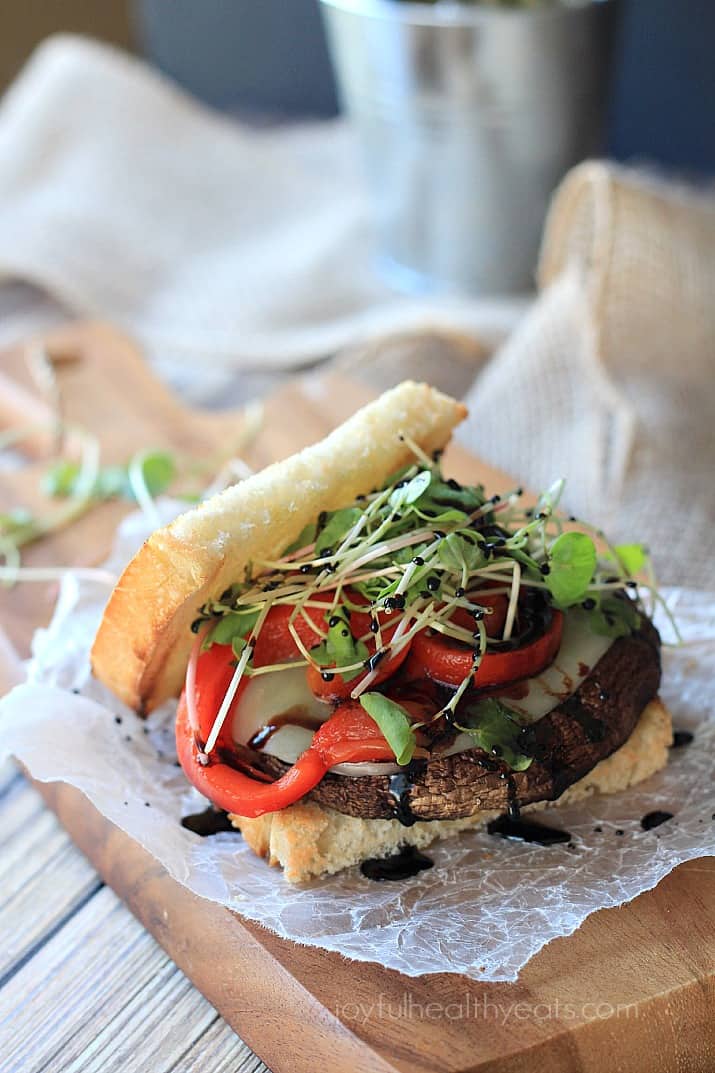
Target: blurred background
(510, 198)
(272, 57)
(445, 99)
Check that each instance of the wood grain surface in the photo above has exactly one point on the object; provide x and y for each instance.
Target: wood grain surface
(83, 987)
(632, 990)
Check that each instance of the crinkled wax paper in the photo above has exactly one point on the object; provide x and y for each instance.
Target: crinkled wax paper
(486, 907)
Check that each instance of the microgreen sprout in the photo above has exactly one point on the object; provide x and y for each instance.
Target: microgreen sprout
(19, 528)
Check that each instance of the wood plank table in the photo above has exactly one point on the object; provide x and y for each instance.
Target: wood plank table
(84, 988)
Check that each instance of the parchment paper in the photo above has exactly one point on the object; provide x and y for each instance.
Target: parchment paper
(486, 907)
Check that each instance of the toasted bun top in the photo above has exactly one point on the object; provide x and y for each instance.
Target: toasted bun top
(143, 642)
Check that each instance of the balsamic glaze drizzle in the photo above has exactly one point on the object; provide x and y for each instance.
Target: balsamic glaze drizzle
(399, 789)
(593, 728)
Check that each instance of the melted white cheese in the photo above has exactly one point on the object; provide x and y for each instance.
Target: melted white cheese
(275, 694)
(580, 651)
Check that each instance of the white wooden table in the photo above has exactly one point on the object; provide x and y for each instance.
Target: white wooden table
(83, 988)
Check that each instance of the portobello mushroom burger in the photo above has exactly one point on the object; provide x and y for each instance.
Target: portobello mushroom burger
(371, 655)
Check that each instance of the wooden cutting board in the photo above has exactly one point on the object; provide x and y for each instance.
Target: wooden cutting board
(632, 990)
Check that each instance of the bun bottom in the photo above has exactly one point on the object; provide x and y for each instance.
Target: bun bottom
(308, 840)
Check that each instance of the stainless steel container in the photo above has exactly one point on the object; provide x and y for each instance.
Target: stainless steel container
(468, 117)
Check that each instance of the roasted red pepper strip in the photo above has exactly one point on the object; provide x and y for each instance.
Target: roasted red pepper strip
(276, 644)
(335, 689)
(349, 736)
(214, 672)
(447, 661)
(493, 622)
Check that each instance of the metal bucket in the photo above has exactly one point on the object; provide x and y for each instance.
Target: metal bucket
(469, 117)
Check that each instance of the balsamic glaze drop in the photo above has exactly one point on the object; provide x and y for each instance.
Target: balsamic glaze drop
(293, 717)
(655, 818)
(512, 809)
(527, 831)
(681, 738)
(208, 822)
(399, 789)
(403, 865)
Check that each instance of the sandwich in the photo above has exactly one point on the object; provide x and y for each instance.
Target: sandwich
(370, 655)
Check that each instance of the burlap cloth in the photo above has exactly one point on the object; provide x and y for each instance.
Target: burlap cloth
(241, 255)
(610, 378)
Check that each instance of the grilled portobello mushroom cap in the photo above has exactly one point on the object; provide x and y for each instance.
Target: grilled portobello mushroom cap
(566, 744)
